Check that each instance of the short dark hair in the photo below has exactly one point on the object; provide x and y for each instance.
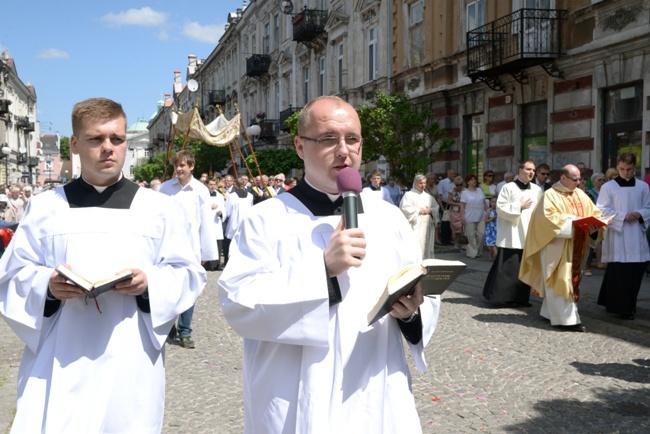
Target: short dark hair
(523, 164)
(470, 176)
(96, 110)
(627, 158)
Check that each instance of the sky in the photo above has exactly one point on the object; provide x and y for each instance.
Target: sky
(123, 50)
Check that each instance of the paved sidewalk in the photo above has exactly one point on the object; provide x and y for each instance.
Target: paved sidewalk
(490, 370)
(589, 289)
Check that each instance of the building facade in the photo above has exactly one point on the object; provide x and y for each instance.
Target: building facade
(555, 81)
(18, 135)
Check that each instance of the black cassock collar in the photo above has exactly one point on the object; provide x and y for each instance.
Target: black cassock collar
(80, 194)
(521, 185)
(317, 202)
(625, 183)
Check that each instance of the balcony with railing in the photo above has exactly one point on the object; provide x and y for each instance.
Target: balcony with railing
(258, 65)
(217, 97)
(24, 123)
(309, 26)
(520, 40)
(285, 114)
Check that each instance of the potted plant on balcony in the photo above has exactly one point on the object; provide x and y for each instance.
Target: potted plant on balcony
(260, 116)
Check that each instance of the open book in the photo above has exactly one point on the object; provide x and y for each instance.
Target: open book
(583, 223)
(435, 274)
(93, 288)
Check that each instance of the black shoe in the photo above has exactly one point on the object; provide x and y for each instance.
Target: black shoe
(626, 317)
(571, 328)
(173, 334)
(187, 342)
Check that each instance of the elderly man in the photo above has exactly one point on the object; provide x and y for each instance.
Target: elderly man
(515, 206)
(625, 247)
(15, 205)
(444, 188)
(555, 252)
(299, 286)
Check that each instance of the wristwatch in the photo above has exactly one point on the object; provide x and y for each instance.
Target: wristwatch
(412, 317)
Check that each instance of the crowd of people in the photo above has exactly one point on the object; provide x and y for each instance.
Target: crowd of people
(298, 282)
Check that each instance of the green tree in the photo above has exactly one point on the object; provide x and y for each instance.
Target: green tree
(154, 168)
(209, 159)
(274, 161)
(64, 148)
(404, 133)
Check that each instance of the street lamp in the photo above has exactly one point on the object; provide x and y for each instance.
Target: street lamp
(6, 150)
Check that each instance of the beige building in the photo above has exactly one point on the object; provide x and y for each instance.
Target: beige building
(555, 81)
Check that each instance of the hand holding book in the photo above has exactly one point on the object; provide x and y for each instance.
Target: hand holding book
(76, 285)
(592, 223)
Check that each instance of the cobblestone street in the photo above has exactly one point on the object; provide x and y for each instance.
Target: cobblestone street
(490, 370)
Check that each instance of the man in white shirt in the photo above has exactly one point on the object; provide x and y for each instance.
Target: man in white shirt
(193, 197)
(375, 186)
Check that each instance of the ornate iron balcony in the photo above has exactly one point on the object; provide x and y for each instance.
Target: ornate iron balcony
(24, 123)
(308, 25)
(270, 129)
(258, 65)
(4, 106)
(525, 38)
(217, 97)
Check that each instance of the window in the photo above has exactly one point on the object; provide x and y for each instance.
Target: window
(276, 32)
(305, 88)
(535, 124)
(416, 34)
(372, 53)
(340, 68)
(321, 76)
(254, 44)
(276, 92)
(266, 39)
(474, 144)
(475, 14)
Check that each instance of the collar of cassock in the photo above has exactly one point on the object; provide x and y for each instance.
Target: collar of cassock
(562, 189)
(373, 188)
(81, 194)
(625, 182)
(521, 185)
(317, 202)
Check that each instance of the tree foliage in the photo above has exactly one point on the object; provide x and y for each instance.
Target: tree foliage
(273, 161)
(404, 133)
(64, 148)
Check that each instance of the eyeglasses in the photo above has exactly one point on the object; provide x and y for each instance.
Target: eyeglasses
(544, 173)
(575, 179)
(489, 175)
(329, 142)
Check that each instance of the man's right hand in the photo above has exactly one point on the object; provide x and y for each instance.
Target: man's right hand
(346, 248)
(526, 203)
(62, 290)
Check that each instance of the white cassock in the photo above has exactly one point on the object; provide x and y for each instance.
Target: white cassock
(383, 193)
(424, 226)
(512, 221)
(236, 209)
(193, 201)
(82, 370)
(625, 242)
(219, 201)
(309, 367)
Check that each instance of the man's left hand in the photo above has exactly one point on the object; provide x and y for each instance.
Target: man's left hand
(407, 305)
(137, 285)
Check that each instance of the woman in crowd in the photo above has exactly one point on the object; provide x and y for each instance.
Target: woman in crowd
(455, 216)
(610, 174)
(488, 187)
(473, 209)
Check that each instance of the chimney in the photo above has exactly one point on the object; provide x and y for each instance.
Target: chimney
(191, 65)
(177, 76)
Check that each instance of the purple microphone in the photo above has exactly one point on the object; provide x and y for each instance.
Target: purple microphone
(348, 182)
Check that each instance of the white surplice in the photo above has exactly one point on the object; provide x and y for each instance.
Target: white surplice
(512, 224)
(236, 209)
(424, 226)
(625, 241)
(309, 367)
(82, 370)
(219, 201)
(193, 198)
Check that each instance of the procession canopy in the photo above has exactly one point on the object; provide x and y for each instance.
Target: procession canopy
(219, 132)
